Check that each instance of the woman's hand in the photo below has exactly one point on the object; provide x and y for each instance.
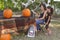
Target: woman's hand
(46, 23)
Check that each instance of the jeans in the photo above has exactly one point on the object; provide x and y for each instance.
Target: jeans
(38, 22)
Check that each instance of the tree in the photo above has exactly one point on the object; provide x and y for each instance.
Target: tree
(1, 5)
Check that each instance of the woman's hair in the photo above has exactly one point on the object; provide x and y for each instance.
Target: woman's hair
(51, 9)
(43, 6)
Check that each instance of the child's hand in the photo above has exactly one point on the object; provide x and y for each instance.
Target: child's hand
(36, 30)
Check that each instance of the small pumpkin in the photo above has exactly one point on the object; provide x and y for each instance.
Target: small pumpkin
(5, 37)
(7, 13)
(26, 12)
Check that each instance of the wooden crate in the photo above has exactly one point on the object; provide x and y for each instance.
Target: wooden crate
(22, 21)
(8, 24)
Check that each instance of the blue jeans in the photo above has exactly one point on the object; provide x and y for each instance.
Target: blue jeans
(38, 22)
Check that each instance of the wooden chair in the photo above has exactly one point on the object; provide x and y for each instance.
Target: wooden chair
(42, 26)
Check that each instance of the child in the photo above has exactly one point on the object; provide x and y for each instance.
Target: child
(48, 18)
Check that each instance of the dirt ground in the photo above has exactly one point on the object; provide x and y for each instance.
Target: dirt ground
(54, 26)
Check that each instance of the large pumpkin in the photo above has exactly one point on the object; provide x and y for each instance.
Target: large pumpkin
(26, 12)
(7, 13)
(5, 37)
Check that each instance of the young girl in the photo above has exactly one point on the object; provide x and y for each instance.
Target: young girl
(48, 18)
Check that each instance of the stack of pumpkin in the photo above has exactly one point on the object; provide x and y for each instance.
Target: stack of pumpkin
(8, 14)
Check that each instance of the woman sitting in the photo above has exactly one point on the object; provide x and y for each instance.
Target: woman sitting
(42, 16)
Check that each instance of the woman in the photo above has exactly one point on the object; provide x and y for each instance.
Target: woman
(41, 19)
(48, 18)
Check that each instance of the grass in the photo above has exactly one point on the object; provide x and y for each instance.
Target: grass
(40, 35)
(55, 22)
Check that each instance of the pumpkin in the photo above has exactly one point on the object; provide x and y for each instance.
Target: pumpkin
(5, 37)
(26, 12)
(7, 13)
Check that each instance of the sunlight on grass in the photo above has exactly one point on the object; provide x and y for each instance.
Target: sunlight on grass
(55, 24)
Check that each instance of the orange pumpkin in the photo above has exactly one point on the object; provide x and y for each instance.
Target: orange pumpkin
(5, 37)
(26, 12)
(7, 13)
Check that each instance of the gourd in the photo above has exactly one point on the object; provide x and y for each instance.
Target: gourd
(5, 37)
(26, 12)
(7, 13)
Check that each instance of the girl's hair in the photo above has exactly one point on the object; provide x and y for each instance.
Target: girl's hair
(43, 6)
(51, 9)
